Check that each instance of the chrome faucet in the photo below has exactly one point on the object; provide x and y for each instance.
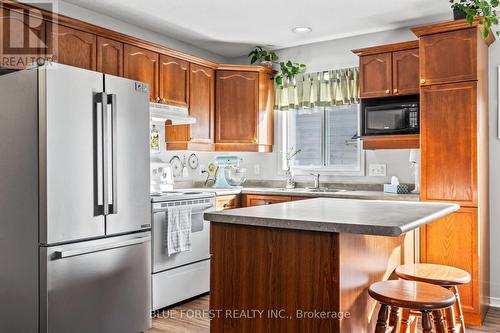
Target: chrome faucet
(316, 180)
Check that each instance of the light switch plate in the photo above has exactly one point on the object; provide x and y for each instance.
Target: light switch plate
(377, 170)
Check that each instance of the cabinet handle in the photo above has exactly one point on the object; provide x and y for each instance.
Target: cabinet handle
(388, 91)
(395, 91)
(422, 81)
(254, 141)
(163, 100)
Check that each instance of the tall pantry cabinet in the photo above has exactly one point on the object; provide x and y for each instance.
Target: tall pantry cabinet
(454, 153)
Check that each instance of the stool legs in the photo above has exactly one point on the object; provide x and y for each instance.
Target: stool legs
(406, 321)
(426, 322)
(383, 316)
(439, 322)
(394, 319)
(458, 306)
(451, 323)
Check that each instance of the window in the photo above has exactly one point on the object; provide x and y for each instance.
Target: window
(327, 138)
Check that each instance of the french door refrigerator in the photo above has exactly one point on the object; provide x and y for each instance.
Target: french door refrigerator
(75, 253)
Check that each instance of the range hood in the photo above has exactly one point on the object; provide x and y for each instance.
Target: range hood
(174, 115)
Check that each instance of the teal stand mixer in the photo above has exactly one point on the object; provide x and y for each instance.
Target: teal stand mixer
(229, 173)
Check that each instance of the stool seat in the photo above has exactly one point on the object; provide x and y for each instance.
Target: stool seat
(412, 295)
(440, 275)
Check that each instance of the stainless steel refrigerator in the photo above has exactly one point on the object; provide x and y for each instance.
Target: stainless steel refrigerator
(75, 214)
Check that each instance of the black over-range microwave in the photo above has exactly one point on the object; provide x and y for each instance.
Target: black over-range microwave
(390, 116)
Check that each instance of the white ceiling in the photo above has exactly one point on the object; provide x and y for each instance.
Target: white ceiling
(232, 27)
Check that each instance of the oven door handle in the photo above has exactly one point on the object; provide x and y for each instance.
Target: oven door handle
(194, 208)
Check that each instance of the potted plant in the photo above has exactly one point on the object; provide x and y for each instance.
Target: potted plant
(485, 10)
(263, 56)
(288, 71)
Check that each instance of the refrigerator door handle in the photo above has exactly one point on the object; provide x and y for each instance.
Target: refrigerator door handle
(98, 151)
(113, 194)
(105, 154)
(88, 250)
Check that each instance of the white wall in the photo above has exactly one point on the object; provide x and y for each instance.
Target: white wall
(108, 22)
(494, 62)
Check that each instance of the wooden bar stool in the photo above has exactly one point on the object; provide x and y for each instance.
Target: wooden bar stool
(423, 297)
(444, 276)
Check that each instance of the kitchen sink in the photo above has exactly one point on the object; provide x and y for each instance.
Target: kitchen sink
(311, 190)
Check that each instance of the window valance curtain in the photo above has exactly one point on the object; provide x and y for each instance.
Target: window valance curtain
(328, 88)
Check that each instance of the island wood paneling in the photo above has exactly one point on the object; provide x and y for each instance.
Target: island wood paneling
(256, 268)
(259, 268)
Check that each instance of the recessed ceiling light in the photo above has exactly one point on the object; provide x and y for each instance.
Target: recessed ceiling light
(301, 29)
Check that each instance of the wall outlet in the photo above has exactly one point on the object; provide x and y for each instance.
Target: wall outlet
(377, 170)
(256, 169)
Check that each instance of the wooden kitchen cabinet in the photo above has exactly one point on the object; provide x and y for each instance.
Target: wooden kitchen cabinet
(375, 75)
(174, 81)
(453, 241)
(449, 143)
(389, 70)
(454, 153)
(449, 56)
(71, 47)
(202, 105)
(22, 39)
(142, 65)
(200, 135)
(405, 74)
(244, 108)
(226, 202)
(250, 200)
(109, 56)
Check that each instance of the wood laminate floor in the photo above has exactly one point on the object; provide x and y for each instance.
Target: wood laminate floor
(191, 318)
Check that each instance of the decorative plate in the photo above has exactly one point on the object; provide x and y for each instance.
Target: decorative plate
(193, 161)
(176, 164)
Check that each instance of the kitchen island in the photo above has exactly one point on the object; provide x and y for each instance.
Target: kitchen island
(305, 266)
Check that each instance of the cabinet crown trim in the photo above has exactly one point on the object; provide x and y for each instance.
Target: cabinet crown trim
(414, 44)
(431, 29)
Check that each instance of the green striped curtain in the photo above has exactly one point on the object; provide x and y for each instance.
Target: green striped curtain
(328, 88)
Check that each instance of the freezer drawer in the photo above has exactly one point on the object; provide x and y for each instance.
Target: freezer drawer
(97, 286)
(179, 284)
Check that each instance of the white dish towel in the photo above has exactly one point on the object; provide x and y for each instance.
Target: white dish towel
(178, 229)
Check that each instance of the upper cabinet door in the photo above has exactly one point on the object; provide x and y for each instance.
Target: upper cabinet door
(71, 47)
(22, 38)
(174, 81)
(449, 57)
(449, 143)
(237, 107)
(142, 65)
(375, 75)
(201, 103)
(405, 78)
(109, 56)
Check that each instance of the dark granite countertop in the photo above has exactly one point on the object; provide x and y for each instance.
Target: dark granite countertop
(356, 216)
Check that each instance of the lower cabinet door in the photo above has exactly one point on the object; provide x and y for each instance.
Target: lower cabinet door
(452, 241)
(261, 200)
(96, 286)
